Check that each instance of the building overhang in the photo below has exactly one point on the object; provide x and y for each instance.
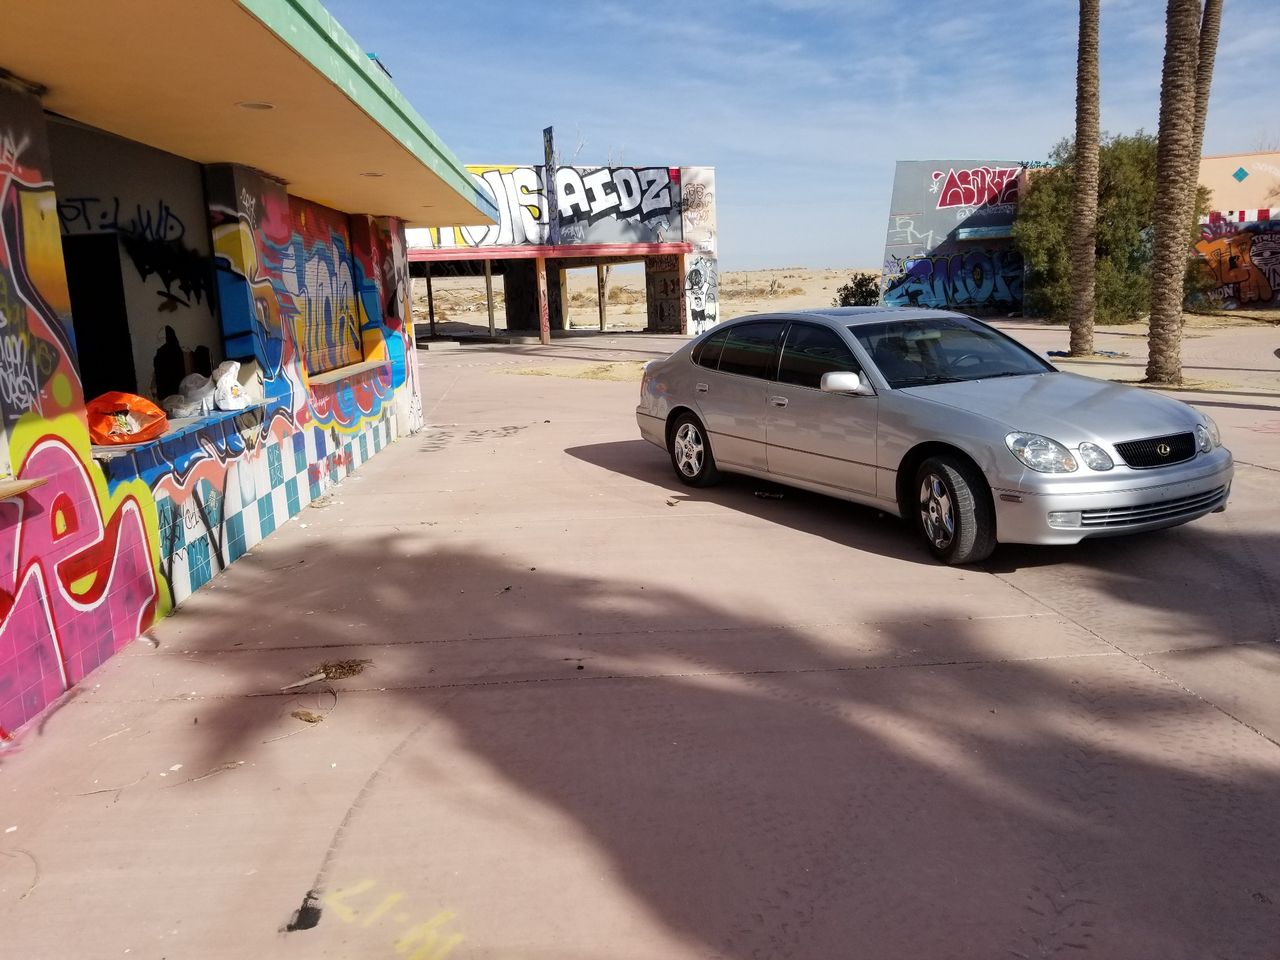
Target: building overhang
(276, 85)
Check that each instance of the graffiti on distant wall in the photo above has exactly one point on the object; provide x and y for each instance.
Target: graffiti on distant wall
(978, 278)
(1244, 258)
(597, 205)
(947, 242)
(975, 186)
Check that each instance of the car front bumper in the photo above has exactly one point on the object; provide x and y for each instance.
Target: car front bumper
(1046, 509)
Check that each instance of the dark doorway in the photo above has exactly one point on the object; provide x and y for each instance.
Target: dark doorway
(103, 344)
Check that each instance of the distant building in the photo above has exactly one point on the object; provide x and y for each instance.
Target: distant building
(661, 216)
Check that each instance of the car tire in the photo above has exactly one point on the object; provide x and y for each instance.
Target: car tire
(690, 451)
(952, 508)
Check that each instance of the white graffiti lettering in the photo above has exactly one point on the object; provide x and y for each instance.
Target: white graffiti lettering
(17, 373)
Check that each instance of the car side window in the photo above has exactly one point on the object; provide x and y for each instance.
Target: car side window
(707, 353)
(812, 351)
(751, 349)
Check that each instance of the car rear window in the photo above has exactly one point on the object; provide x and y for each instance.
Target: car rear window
(751, 349)
(707, 353)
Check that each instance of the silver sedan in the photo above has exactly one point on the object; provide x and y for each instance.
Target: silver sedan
(937, 418)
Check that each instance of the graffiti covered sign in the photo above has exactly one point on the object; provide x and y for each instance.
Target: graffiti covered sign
(596, 205)
(948, 243)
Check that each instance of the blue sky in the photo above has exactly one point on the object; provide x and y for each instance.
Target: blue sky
(802, 106)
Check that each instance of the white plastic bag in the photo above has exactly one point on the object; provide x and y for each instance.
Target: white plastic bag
(227, 392)
(178, 407)
(198, 389)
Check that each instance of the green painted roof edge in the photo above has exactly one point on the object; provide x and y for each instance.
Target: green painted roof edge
(309, 29)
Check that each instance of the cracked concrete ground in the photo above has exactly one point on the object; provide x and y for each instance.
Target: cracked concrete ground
(606, 716)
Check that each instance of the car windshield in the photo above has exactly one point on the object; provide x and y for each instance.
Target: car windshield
(944, 349)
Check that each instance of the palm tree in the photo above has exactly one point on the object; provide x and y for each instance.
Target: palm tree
(1173, 163)
(1084, 207)
(1210, 26)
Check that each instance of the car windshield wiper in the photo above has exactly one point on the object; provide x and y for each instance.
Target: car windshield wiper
(1011, 373)
(927, 381)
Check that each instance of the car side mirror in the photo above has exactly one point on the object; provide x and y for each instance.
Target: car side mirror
(846, 381)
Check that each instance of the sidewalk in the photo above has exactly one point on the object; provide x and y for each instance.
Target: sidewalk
(579, 711)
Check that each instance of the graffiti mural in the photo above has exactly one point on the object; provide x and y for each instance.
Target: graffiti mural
(948, 242)
(702, 272)
(597, 205)
(77, 580)
(989, 279)
(1244, 258)
(110, 540)
(976, 187)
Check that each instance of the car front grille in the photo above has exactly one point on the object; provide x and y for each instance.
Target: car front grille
(1158, 451)
(1182, 507)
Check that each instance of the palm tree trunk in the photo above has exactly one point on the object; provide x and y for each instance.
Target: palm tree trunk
(1173, 160)
(1084, 208)
(1210, 27)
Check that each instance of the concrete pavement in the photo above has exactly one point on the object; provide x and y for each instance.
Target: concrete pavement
(605, 716)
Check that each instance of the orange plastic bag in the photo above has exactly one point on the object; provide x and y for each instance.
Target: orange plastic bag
(118, 417)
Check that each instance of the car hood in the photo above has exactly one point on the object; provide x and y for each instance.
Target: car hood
(1066, 407)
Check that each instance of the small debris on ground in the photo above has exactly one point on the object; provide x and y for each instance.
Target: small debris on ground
(307, 716)
(341, 669)
(671, 502)
(769, 495)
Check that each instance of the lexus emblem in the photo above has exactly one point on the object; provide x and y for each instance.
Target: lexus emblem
(1163, 449)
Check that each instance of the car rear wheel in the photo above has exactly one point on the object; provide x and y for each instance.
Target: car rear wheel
(691, 452)
(953, 510)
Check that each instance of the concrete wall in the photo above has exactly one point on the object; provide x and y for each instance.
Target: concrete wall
(701, 267)
(1242, 181)
(947, 244)
(154, 202)
(105, 545)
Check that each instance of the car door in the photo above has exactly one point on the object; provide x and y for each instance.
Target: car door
(826, 438)
(730, 390)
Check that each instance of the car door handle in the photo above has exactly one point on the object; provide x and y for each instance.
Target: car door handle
(700, 387)
(778, 401)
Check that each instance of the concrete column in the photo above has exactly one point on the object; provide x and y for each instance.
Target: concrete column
(431, 303)
(488, 293)
(600, 293)
(544, 320)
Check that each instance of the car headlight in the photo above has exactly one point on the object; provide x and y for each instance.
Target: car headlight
(1207, 435)
(1094, 457)
(1040, 453)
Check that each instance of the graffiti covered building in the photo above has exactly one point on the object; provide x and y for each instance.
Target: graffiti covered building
(130, 258)
(1240, 240)
(949, 241)
(661, 216)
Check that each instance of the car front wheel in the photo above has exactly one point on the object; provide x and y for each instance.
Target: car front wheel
(691, 452)
(953, 510)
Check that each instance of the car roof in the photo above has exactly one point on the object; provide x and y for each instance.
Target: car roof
(849, 316)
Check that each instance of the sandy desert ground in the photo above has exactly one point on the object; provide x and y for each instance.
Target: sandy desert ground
(460, 301)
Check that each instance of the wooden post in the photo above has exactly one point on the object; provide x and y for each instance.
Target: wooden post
(600, 292)
(488, 293)
(544, 321)
(431, 303)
